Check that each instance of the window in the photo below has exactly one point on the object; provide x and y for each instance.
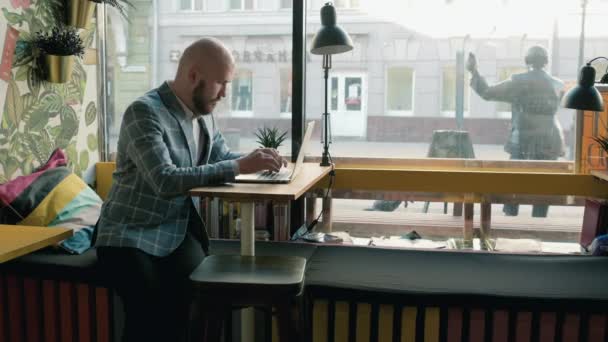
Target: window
(503, 109)
(240, 5)
(346, 4)
(267, 58)
(285, 91)
(285, 4)
(601, 68)
(242, 93)
(448, 91)
(191, 5)
(347, 102)
(399, 90)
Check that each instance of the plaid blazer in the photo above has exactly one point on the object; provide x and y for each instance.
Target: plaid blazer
(148, 206)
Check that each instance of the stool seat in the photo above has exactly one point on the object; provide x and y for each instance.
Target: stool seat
(227, 272)
(227, 281)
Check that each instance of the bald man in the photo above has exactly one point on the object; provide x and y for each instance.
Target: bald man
(150, 235)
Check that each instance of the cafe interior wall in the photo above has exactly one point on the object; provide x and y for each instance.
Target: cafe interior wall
(37, 117)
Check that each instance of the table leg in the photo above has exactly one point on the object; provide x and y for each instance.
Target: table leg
(468, 223)
(311, 209)
(281, 221)
(326, 207)
(247, 249)
(486, 220)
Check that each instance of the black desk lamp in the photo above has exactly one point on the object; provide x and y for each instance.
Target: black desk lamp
(584, 96)
(330, 40)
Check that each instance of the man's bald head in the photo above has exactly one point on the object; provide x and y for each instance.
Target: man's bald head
(204, 54)
(205, 68)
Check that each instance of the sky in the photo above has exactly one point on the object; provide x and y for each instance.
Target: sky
(491, 18)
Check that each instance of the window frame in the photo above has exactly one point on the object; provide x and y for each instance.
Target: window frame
(283, 114)
(466, 110)
(241, 113)
(388, 111)
(192, 8)
(242, 9)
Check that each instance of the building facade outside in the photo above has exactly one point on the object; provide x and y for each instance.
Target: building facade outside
(397, 85)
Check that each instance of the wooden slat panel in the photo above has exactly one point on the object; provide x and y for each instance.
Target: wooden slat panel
(385, 323)
(408, 322)
(32, 309)
(597, 327)
(84, 313)
(364, 316)
(103, 315)
(431, 325)
(3, 309)
(454, 324)
(15, 307)
(341, 324)
(501, 326)
(570, 328)
(524, 327)
(319, 324)
(65, 311)
(50, 310)
(477, 324)
(547, 326)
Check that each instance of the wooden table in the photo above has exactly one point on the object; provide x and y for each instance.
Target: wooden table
(16, 241)
(246, 194)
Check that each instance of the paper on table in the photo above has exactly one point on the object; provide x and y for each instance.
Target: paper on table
(406, 243)
(517, 245)
(561, 247)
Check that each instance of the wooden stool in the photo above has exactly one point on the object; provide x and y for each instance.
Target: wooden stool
(224, 282)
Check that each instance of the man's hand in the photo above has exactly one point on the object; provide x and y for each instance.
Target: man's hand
(261, 159)
(471, 63)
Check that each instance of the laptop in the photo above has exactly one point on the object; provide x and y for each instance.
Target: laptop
(286, 174)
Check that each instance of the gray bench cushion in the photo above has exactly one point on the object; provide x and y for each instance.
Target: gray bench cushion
(462, 276)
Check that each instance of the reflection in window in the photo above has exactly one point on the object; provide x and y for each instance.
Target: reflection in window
(352, 95)
(242, 91)
(346, 3)
(285, 90)
(334, 93)
(286, 3)
(448, 89)
(399, 89)
(505, 74)
(241, 4)
(601, 68)
(191, 5)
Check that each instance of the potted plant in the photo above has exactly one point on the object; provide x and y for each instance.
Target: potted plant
(270, 137)
(58, 48)
(80, 12)
(602, 141)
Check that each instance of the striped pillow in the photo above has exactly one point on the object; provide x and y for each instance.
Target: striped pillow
(52, 196)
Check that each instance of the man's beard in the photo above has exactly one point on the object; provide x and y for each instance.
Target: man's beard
(201, 105)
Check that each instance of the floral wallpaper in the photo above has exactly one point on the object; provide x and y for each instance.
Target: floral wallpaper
(39, 116)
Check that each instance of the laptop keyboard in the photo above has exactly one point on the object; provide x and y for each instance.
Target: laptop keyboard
(269, 175)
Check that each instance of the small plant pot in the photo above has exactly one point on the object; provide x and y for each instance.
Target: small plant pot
(80, 13)
(59, 68)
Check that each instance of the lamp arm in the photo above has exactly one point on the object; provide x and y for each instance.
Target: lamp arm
(595, 59)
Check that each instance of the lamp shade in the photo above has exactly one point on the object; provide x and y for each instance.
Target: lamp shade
(331, 38)
(584, 96)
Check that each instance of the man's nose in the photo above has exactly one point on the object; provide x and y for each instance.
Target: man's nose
(222, 92)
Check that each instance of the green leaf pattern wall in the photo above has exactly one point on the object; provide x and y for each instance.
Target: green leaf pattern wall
(38, 117)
